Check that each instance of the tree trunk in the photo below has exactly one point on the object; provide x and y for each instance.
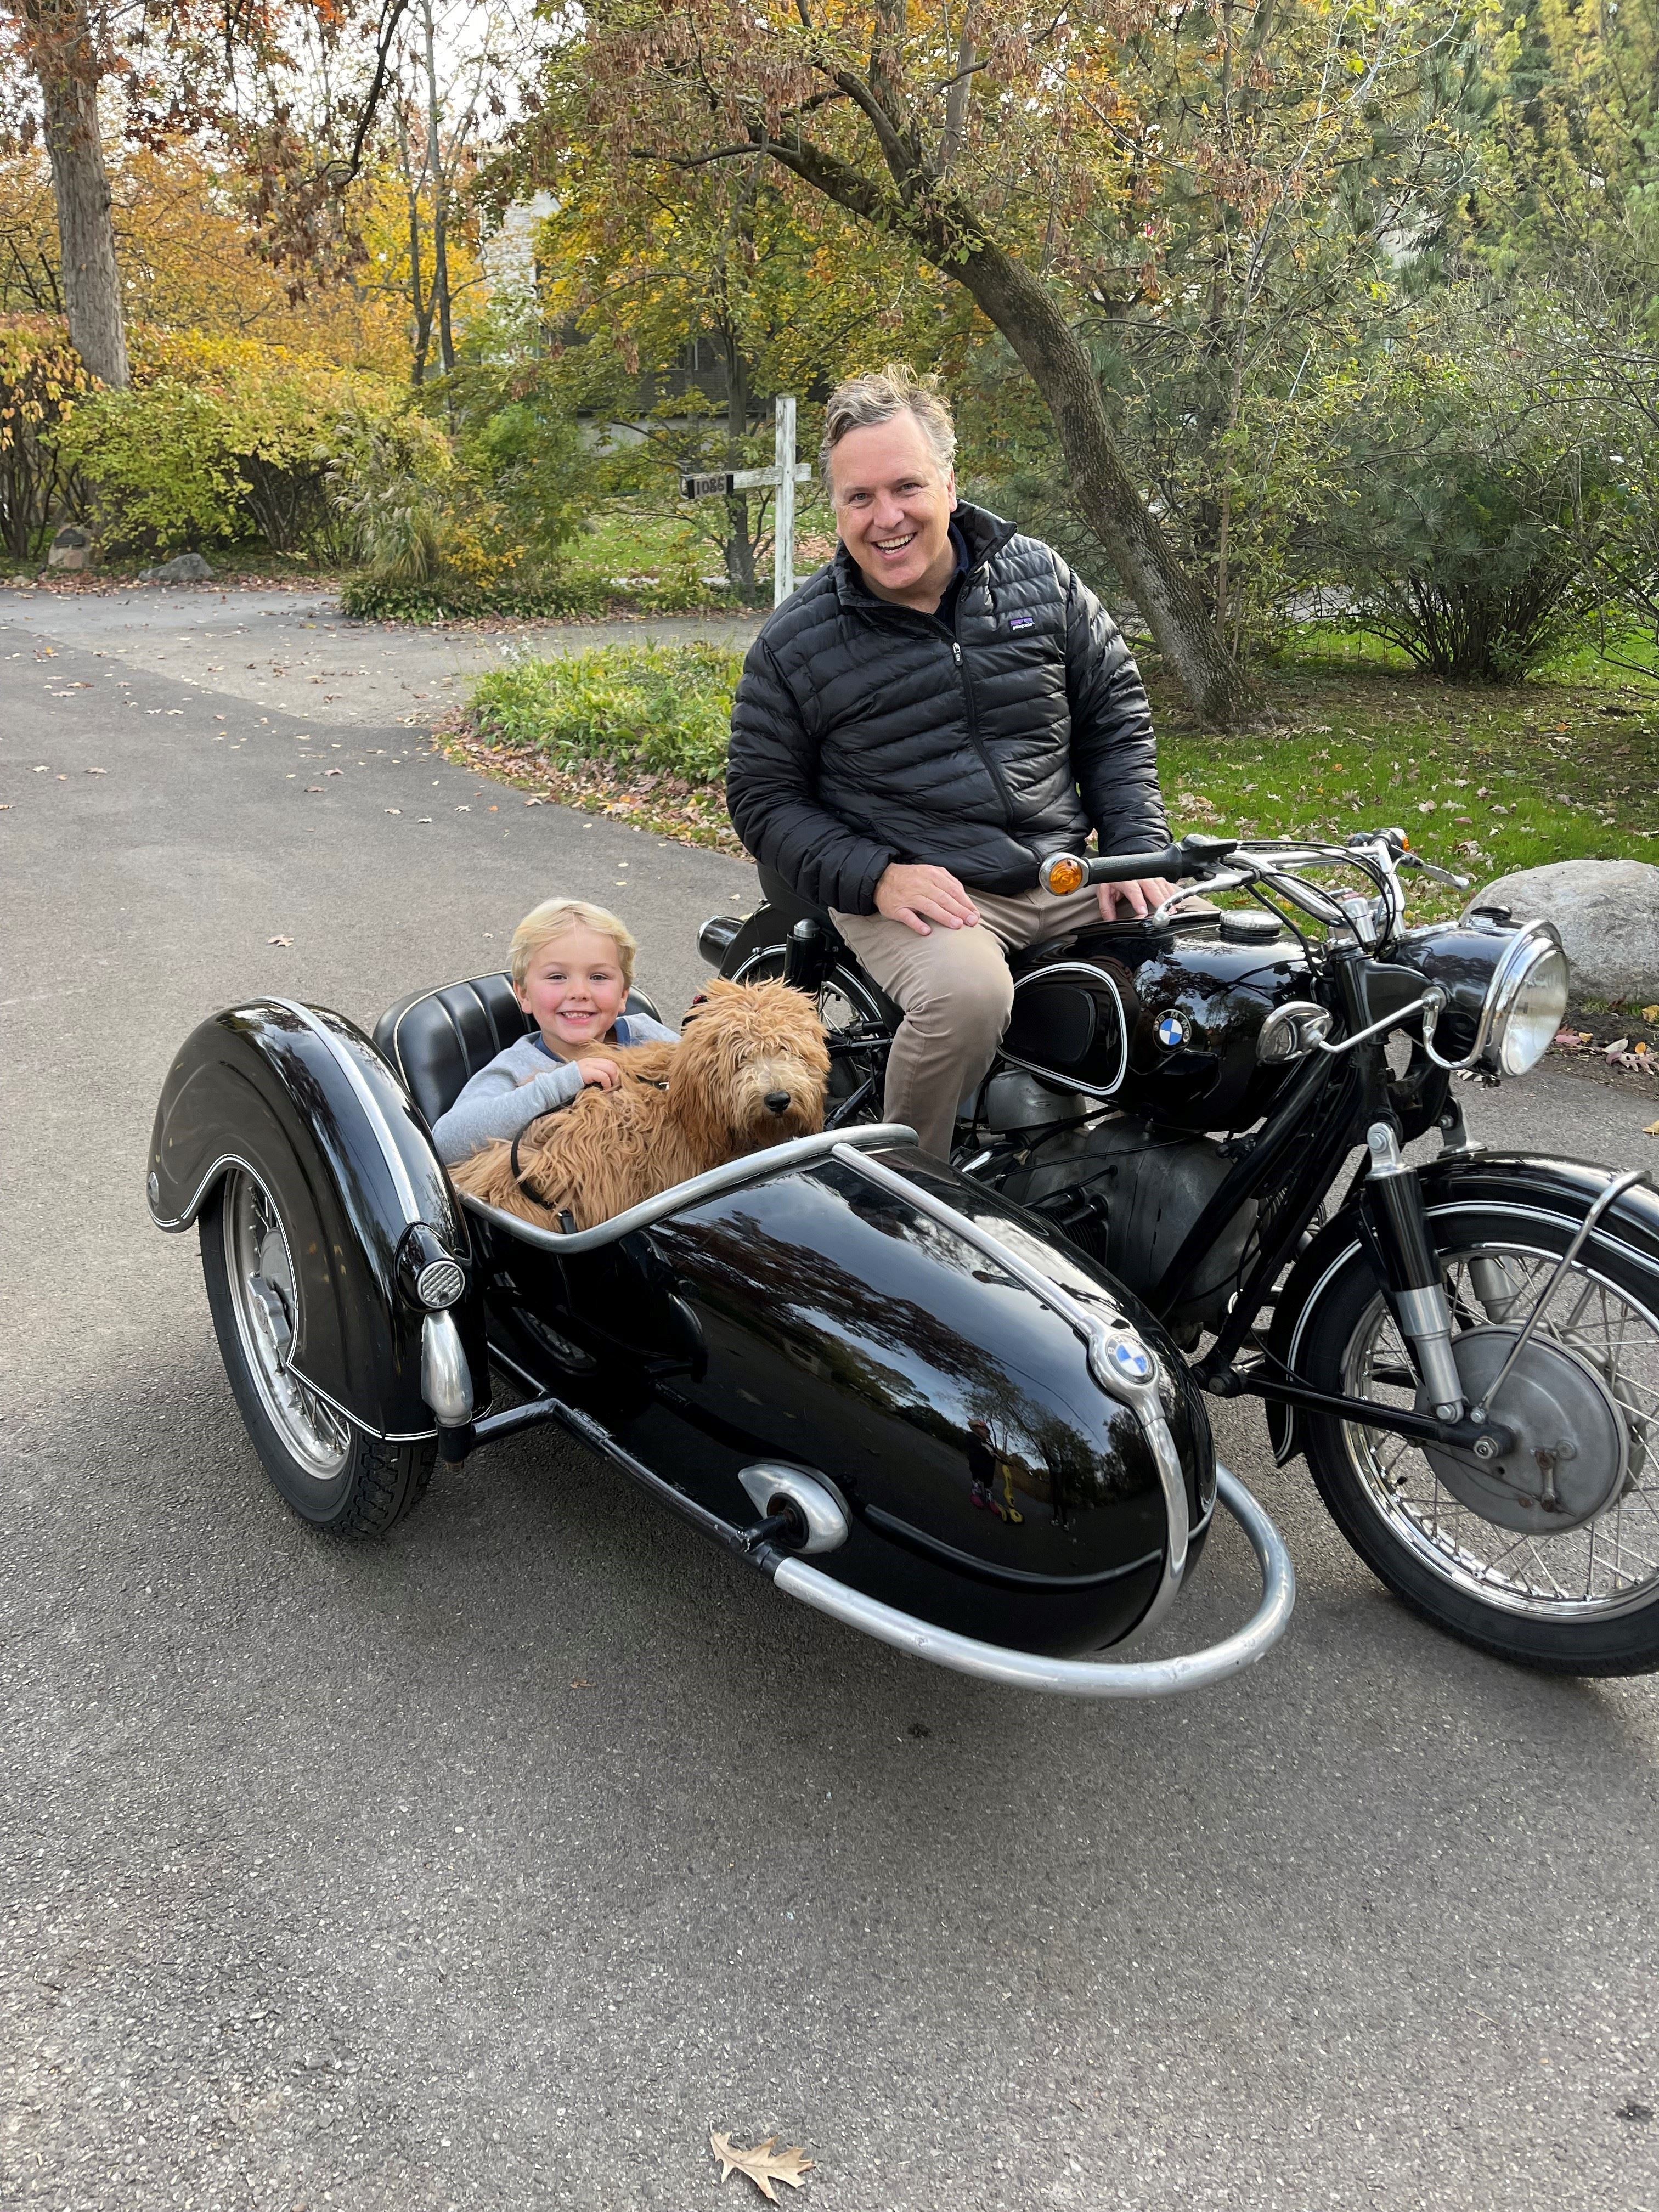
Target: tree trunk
(1169, 600)
(740, 552)
(64, 61)
(439, 197)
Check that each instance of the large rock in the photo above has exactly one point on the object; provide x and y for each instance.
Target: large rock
(183, 568)
(1608, 913)
(70, 549)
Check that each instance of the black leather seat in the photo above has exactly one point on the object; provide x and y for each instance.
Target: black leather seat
(438, 1040)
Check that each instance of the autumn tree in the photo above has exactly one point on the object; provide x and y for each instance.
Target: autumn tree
(980, 137)
(254, 76)
(727, 258)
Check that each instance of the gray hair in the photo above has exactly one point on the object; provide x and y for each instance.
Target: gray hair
(858, 402)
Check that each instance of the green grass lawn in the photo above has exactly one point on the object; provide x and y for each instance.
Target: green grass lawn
(1483, 780)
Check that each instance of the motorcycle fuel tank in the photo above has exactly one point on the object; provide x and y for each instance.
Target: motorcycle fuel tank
(1163, 1021)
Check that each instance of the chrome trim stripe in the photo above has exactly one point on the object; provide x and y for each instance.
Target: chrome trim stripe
(183, 1220)
(732, 1175)
(385, 1435)
(1094, 976)
(1141, 1398)
(1077, 1678)
(339, 1052)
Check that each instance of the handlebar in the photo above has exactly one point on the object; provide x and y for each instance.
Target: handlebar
(1194, 857)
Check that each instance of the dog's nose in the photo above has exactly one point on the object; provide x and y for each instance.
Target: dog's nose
(777, 1102)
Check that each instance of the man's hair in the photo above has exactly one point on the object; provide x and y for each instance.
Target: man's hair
(858, 403)
(562, 917)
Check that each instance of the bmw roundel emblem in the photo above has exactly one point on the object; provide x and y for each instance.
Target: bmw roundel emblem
(1134, 1359)
(1171, 1031)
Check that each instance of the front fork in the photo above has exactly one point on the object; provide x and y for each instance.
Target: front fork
(1397, 1222)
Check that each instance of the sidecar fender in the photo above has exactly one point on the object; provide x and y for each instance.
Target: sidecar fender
(1514, 1188)
(300, 1098)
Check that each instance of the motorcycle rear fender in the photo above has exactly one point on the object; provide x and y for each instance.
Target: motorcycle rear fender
(301, 1098)
(1514, 1187)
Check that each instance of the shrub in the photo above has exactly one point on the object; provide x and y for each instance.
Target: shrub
(217, 438)
(658, 710)
(1473, 499)
(41, 379)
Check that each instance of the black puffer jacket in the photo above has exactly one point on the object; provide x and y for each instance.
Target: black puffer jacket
(864, 734)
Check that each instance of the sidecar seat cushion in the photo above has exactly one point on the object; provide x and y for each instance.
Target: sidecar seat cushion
(438, 1040)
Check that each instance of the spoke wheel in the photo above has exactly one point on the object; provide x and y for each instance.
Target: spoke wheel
(265, 1304)
(330, 1472)
(1552, 1556)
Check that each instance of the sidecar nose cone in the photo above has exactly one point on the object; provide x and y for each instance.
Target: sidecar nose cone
(777, 1102)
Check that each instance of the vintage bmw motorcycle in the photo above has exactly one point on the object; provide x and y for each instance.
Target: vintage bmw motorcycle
(1466, 1351)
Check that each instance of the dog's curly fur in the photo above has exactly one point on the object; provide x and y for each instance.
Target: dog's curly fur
(744, 1049)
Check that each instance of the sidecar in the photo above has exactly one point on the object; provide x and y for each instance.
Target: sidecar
(907, 1402)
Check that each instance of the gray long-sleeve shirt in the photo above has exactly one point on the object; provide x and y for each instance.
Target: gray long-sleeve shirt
(523, 1081)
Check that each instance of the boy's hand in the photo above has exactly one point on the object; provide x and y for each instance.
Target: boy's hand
(603, 1074)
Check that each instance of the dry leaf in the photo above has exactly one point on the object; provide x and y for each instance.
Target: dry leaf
(394, 809)
(1652, 1129)
(1619, 1045)
(763, 2165)
(1651, 1014)
(279, 940)
(95, 771)
(542, 802)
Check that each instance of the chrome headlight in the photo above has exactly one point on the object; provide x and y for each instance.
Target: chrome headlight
(1525, 1001)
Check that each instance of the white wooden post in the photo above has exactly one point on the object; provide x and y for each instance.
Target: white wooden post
(783, 512)
(780, 480)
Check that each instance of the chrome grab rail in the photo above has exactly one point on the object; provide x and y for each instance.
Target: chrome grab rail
(1076, 1678)
(732, 1175)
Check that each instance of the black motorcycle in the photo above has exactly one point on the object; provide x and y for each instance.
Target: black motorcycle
(1466, 1351)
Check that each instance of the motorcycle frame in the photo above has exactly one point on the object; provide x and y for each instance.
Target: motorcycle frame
(1325, 1111)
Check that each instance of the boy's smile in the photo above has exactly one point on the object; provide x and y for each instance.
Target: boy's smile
(573, 990)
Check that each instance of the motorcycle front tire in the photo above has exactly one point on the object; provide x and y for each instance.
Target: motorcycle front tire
(1466, 1573)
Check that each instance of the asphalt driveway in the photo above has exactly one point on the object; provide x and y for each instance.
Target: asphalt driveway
(491, 1866)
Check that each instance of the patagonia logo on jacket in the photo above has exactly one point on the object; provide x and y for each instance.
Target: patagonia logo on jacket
(1022, 622)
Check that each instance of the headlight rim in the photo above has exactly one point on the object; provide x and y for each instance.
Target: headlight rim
(1533, 942)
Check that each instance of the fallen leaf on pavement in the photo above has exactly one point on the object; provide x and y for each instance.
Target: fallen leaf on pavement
(44, 766)
(763, 2165)
(279, 940)
(394, 809)
(97, 771)
(423, 817)
(535, 802)
(1651, 1014)
(1619, 1045)
(333, 771)
(1652, 1129)
(314, 786)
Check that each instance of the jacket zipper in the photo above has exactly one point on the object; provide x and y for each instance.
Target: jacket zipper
(991, 767)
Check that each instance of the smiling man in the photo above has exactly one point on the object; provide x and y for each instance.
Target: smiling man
(923, 723)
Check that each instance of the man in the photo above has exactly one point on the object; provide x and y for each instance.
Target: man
(927, 719)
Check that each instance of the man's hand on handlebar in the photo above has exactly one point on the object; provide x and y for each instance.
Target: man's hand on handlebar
(1135, 898)
(920, 896)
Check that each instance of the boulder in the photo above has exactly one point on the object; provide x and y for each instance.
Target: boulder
(70, 549)
(1608, 913)
(183, 568)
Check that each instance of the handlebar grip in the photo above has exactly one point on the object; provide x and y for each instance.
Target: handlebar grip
(1067, 871)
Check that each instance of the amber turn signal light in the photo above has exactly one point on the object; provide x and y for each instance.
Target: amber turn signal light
(1063, 875)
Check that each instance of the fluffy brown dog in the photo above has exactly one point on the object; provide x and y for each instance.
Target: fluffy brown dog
(750, 1071)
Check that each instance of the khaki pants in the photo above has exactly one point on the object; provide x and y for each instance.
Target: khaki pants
(957, 993)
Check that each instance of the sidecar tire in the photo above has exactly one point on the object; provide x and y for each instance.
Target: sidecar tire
(1625, 1642)
(327, 1469)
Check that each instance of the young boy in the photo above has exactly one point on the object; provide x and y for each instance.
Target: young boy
(572, 966)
